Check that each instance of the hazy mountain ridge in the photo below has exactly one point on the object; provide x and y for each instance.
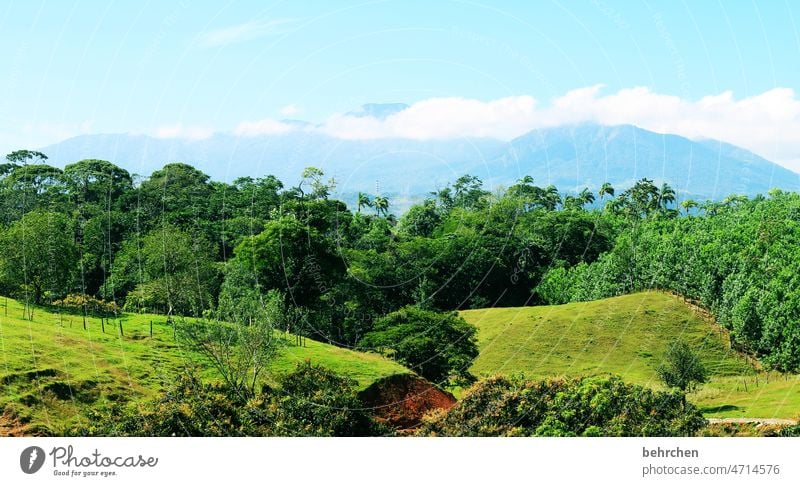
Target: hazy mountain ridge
(571, 157)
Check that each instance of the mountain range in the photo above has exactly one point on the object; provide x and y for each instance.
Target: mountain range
(570, 157)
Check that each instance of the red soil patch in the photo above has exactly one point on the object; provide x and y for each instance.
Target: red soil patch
(11, 426)
(402, 400)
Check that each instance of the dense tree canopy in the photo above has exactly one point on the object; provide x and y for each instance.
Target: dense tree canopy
(179, 243)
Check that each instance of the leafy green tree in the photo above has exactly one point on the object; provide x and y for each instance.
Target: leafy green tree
(420, 219)
(314, 401)
(313, 177)
(681, 367)
(32, 186)
(93, 181)
(177, 194)
(435, 345)
(168, 269)
(38, 255)
(291, 257)
(468, 192)
(639, 201)
(239, 353)
(550, 198)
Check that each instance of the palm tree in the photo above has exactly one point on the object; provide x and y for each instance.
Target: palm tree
(606, 189)
(381, 205)
(551, 198)
(363, 201)
(688, 204)
(734, 199)
(586, 197)
(666, 195)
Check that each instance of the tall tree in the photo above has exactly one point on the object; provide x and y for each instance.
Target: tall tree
(39, 255)
(168, 270)
(606, 190)
(436, 345)
(381, 204)
(363, 201)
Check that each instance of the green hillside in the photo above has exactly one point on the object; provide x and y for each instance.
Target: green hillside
(51, 369)
(627, 335)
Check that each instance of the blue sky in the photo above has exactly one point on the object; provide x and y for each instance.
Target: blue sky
(190, 68)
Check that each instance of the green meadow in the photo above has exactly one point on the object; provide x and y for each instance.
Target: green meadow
(52, 370)
(627, 336)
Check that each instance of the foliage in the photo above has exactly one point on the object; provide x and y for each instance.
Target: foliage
(88, 304)
(559, 407)
(241, 352)
(435, 345)
(737, 259)
(681, 368)
(37, 254)
(312, 401)
(169, 270)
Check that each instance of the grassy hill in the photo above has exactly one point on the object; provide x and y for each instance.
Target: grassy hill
(628, 335)
(51, 369)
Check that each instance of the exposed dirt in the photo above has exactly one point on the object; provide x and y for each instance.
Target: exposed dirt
(401, 401)
(11, 425)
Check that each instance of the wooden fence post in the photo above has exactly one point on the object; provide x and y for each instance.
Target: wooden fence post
(121, 333)
(151, 329)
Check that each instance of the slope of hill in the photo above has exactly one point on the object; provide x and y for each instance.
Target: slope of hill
(624, 335)
(51, 369)
(628, 335)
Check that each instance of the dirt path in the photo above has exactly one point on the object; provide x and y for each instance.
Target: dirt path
(760, 421)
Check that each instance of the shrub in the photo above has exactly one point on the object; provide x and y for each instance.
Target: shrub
(312, 401)
(574, 407)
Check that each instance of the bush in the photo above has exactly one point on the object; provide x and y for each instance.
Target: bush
(437, 345)
(312, 401)
(77, 303)
(575, 407)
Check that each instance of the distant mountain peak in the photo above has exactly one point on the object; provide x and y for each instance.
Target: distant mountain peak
(378, 110)
(571, 157)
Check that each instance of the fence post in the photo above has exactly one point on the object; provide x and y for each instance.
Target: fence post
(103, 324)
(121, 333)
(151, 329)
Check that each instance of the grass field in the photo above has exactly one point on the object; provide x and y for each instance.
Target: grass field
(627, 336)
(51, 369)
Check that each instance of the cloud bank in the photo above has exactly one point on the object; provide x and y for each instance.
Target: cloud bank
(767, 123)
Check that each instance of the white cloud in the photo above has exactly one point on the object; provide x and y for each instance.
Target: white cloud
(179, 130)
(266, 126)
(441, 118)
(290, 110)
(767, 123)
(244, 32)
